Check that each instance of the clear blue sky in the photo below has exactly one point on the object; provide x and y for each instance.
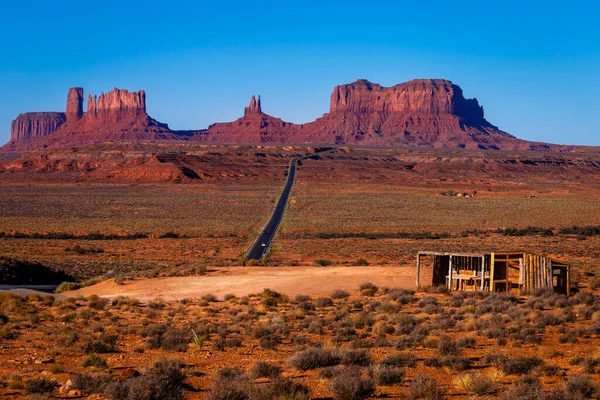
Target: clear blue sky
(533, 65)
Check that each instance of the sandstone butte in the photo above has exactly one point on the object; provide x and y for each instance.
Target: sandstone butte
(418, 113)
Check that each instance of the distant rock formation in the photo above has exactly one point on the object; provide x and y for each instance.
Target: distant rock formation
(75, 104)
(116, 105)
(254, 107)
(118, 115)
(418, 113)
(34, 125)
(432, 96)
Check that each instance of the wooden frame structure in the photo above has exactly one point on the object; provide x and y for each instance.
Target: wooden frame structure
(501, 271)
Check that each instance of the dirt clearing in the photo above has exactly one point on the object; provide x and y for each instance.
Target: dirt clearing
(242, 281)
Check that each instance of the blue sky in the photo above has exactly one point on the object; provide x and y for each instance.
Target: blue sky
(533, 65)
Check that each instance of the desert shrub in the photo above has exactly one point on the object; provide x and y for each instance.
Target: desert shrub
(405, 323)
(229, 296)
(209, 297)
(399, 360)
(348, 384)
(163, 381)
(448, 347)
(301, 298)
(466, 341)
(346, 334)
(368, 289)
(263, 369)
(98, 303)
(270, 342)
(167, 337)
(479, 385)
(306, 306)
(93, 360)
(402, 296)
(323, 302)
(322, 262)
(281, 388)
(67, 286)
(361, 262)
(39, 385)
(355, 357)
(580, 384)
(230, 387)
(90, 383)
(442, 322)
(315, 358)
(526, 388)
(106, 343)
(425, 387)
(387, 375)
(571, 336)
(340, 294)
(520, 365)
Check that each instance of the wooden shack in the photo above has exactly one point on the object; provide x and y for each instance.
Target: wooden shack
(501, 271)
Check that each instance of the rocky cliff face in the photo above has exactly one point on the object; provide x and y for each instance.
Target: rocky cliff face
(116, 105)
(419, 96)
(35, 125)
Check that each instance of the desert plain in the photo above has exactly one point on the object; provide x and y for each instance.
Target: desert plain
(163, 303)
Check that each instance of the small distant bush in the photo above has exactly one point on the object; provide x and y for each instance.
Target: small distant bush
(399, 360)
(355, 357)
(386, 375)
(322, 262)
(580, 384)
(106, 343)
(479, 385)
(94, 360)
(67, 286)
(315, 358)
(348, 384)
(40, 385)
(425, 387)
(263, 369)
(163, 381)
(340, 294)
(323, 302)
(520, 365)
(167, 337)
(361, 262)
(211, 298)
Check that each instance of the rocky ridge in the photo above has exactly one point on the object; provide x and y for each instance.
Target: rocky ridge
(419, 113)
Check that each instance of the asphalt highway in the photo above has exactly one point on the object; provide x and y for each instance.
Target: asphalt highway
(261, 245)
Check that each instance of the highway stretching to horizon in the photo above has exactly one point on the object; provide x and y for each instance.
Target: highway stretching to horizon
(261, 245)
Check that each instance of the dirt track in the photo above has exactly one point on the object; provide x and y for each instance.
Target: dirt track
(242, 281)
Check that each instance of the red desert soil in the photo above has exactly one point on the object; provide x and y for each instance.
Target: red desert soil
(244, 281)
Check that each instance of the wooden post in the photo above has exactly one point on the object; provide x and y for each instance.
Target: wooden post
(492, 284)
(418, 273)
(521, 276)
(450, 273)
(482, 272)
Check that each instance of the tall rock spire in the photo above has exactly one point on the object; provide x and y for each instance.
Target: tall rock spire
(75, 104)
(254, 107)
